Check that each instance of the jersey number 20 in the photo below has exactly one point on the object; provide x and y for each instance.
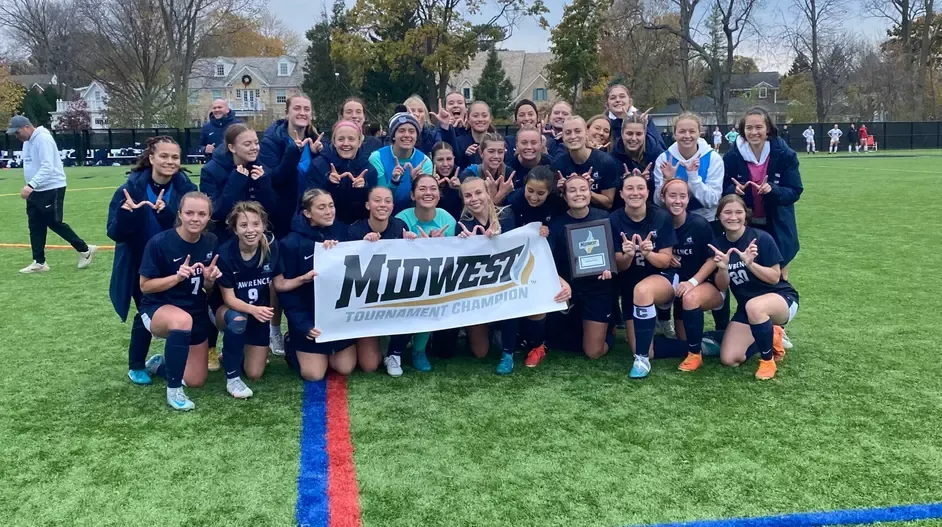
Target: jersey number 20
(739, 277)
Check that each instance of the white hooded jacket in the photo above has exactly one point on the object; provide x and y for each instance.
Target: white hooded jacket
(708, 192)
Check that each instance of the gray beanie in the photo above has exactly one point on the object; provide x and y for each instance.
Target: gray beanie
(400, 119)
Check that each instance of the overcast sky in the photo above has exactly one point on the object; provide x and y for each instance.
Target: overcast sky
(300, 16)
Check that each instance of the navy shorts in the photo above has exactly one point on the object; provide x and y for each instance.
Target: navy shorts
(595, 306)
(299, 343)
(257, 333)
(790, 299)
(203, 322)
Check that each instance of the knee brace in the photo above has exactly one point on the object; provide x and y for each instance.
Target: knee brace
(234, 325)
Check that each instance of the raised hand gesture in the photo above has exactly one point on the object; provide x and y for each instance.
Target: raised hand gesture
(334, 176)
(317, 145)
(647, 172)
(211, 273)
(242, 170)
(129, 204)
(471, 150)
(359, 181)
(442, 116)
(668, 170)
(740, 188)
(408, 235)
(749, 255)
(185, 271)
(764, 187)
(397, 171)
(646, 246)
(160, 205)
(720, 258)
(628, 246)
(257, 172)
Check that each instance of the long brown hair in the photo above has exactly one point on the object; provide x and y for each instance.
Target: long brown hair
(143, 160)
(635, 119)
(251, 207)
(310, 131)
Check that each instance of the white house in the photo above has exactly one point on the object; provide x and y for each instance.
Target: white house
(96, 97)
(526, 71)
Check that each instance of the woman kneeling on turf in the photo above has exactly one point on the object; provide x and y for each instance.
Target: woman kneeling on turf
(749, 262)
(177, 270)
(248, 263)
(592, 296)
(645, 235)
(380, 226)
(481, 216)
(315, 224)
(693, 261)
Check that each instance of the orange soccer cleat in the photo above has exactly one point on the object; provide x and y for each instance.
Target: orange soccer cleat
(692, 362)
(536, 356)
(778, 347)
(766, 370)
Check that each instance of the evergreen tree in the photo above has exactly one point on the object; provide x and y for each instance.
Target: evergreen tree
(576, 64)
(324, 78)
(36, 107)
(494, 87)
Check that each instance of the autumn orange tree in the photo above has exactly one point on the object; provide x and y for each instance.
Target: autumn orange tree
(11, 95)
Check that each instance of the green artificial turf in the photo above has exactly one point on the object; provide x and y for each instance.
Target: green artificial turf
(852, 420)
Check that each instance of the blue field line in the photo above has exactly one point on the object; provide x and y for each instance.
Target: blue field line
(313, 504)
(898, 513)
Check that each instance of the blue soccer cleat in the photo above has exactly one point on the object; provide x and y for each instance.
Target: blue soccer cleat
(178, 400)
(506, 366)
(420, 361)
(153, 364)
(139, 377)
(641, 368)
(709, 347)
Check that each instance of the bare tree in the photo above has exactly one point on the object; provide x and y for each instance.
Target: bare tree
(923, 97)
(188, 24)
(271, 26)
(814, 31)
(735, 20)
(47, 28)
(133, 63)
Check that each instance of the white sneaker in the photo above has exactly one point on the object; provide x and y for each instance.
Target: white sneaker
(277, 341)
(178, 400)
(35, 268)
(85, 259)
(665, 328)
(238, 389)
(393, 365)
(787, 344)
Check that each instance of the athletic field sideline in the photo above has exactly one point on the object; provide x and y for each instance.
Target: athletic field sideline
(852, 420)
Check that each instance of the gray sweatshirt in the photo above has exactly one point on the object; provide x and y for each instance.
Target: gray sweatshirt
(41, 162)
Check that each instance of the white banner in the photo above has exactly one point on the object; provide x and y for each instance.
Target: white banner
(391, 287)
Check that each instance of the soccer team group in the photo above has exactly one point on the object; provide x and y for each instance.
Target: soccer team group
(234, 255)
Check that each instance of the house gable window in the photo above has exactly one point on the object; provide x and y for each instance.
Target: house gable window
(282, 69)
(763, 92)
(467, 93)
(220, 70)
(539, 94)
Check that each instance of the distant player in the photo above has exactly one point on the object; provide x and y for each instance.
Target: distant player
(851, 138)
(731, 137)
(809, 140)
(835, 135)
(862, 132)
(717, 139)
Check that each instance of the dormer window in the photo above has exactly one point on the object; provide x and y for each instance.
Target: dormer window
(220, 70)
(282, 69)
(763, 93)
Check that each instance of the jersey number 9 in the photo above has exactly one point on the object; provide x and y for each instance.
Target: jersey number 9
(253, 295)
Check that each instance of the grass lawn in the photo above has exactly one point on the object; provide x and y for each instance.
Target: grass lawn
(852, 420)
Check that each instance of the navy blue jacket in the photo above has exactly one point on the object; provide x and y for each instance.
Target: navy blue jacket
(780, 202)
(129, 230)
(651, 153)
(349, 201)
(214, 131)
(297, 258)
(428, 137)
(225, 187)
(281, 155)
(460, 144)
(653, 135)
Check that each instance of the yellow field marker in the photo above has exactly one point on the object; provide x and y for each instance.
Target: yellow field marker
(27, 246)
(67, 191)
